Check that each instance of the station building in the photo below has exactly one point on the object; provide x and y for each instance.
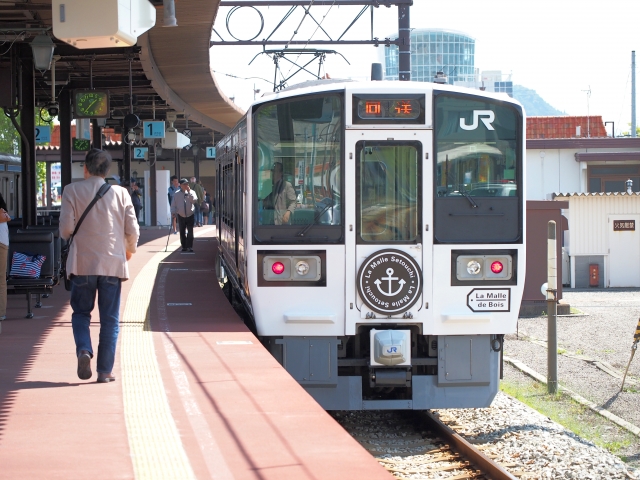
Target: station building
(572, 160)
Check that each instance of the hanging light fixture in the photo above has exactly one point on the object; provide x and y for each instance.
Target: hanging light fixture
(42, 47)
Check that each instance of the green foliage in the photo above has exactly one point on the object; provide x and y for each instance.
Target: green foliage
(570, 414)
(628, 134)
(10, 143)
(41, 173)
(9, 138)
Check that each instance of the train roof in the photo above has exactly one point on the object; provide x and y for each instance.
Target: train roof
(332, 85)
(5, 157)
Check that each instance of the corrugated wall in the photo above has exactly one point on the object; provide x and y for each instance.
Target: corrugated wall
(588, 219)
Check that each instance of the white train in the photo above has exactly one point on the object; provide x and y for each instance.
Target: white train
(375, 233)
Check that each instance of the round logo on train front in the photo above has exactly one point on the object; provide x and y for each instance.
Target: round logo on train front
(390, 282)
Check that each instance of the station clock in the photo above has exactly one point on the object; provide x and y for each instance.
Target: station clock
(91, 104)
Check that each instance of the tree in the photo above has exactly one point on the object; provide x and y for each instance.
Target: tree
(9, 138)
(10, 143)
(628, 134)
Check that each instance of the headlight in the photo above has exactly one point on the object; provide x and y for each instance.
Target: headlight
(302, 268)
(473, 267)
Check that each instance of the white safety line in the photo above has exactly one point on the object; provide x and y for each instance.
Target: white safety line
(213, 457)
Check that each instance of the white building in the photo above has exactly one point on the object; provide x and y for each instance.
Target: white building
(592, 174)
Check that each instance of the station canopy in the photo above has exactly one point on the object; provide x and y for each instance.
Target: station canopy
(170, 67)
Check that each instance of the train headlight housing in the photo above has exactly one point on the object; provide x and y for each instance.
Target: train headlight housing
(302, 268)
(484, 267)
(291, 268)
(474, 267)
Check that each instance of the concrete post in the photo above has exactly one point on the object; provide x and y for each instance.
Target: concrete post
(552, 310)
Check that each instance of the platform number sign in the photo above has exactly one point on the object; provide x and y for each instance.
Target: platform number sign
(141, 153)
(43, 134)
(153, 129)
(211, 152)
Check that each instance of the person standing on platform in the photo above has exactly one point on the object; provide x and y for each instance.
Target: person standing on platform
(174, 187)
(196, 187)
(97, 261)
(183, 206)
(4, 252)
(208, 216)
(135, 199)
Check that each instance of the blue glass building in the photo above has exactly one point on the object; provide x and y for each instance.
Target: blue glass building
(435, 50)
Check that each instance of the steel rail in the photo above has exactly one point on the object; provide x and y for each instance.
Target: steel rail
(475, 456)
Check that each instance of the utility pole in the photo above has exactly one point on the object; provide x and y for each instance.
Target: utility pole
(633, 94)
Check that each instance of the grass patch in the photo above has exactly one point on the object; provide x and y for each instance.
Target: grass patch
(575, 311)
(562, 351)
(573, 416)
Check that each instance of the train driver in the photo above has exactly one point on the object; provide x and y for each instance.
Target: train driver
(282, 198)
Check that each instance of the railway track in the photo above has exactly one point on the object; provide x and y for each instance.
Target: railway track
(419, 445)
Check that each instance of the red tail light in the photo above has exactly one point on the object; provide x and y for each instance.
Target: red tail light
(277, 268)
(497, 267)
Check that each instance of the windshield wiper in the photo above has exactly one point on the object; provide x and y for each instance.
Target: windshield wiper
(468, 197)
(302, 232)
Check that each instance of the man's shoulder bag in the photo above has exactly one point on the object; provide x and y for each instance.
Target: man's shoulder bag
(64, 253)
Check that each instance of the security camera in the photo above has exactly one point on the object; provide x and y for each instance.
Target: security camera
(53, 109)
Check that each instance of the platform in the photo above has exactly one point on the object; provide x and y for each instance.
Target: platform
(196, 394)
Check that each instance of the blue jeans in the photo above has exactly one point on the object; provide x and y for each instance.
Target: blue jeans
(197, 214)
(83, 297)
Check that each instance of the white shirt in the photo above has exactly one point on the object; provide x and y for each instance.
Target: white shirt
(4, 233)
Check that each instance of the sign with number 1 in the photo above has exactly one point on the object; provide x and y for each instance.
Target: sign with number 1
(153, 129)
(211, 152)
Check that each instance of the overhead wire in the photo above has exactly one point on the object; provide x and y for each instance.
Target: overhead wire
(18, 35)
(306, 12)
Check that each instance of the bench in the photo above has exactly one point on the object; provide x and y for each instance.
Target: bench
(57, 243)
(41, 243)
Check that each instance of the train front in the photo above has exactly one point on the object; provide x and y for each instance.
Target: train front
(386, 257)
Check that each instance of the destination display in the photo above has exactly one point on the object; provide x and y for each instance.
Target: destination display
(489, 300)
(371, 109)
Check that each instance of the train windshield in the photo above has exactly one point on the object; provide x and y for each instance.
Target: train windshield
(476, 148)
(478, 170)
(298, 167)
(388, 184)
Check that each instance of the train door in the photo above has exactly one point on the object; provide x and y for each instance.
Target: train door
(392, 263)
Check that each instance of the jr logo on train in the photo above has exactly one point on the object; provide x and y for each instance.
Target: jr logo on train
(374, 233)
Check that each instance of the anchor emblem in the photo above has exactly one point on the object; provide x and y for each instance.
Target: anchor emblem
(390, 279)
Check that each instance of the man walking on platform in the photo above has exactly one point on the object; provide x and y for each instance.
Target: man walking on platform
(103, 235)
(183, 206)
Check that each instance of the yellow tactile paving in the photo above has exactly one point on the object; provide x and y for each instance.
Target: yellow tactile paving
(156, 449)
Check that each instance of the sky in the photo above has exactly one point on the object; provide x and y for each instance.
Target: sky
(575, 55)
